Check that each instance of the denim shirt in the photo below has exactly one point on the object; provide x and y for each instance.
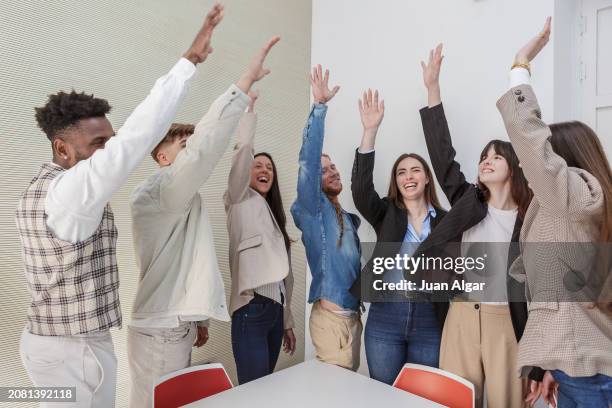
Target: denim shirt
(334, 267)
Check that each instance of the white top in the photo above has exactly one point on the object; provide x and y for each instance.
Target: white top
(314, 384)
(494, 232)
(76, 198)
(173, 239)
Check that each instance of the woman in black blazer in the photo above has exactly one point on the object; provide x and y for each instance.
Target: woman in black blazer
(480, 338)
(398, 330)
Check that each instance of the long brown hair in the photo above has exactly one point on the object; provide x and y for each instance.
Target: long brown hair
(580, 147)
(431, 197)
(519, 189)
(275, 201)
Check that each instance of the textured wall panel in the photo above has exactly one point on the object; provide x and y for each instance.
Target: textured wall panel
(116, 49)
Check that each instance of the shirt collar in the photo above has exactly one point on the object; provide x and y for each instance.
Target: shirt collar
(431, 211)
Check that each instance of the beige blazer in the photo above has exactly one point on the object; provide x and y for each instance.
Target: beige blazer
(257, 249)
(567, 207)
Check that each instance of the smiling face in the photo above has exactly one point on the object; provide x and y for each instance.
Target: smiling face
(80, 142)
(330, 177)
(493, 168)
(411, 179)
(262, 175)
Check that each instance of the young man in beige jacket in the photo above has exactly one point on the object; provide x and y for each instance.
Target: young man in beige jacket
(180, 285)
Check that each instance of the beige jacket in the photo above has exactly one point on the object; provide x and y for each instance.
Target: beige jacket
(173, 239)
(257, 249)
(567, 207)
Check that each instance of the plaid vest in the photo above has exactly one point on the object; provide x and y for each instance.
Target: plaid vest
(74, 287)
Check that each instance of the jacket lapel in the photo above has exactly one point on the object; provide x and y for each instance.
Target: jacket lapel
(466, 213)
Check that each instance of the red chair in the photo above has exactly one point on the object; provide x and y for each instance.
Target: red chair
(190, 384)
(436, 385)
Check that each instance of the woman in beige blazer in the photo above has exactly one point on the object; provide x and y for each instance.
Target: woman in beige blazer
(569, 329)
(260, 262)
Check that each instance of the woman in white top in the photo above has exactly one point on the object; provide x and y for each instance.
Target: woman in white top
(482, 329)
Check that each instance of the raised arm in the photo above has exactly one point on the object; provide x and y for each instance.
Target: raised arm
(437, 134)
(309, 176)
(196, 162)
(97, 178)
(366, 199)
(553, 183)
(240, 173)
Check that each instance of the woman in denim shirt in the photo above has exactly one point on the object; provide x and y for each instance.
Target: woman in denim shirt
(398, 331)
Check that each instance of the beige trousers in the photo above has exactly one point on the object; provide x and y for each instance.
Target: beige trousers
(153, 353)
(479, 344)
(337, 339)
(86, 362)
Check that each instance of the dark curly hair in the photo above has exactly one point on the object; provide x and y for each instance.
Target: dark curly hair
(63, 110)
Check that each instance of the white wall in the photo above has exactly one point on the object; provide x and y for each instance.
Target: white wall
(379, 44)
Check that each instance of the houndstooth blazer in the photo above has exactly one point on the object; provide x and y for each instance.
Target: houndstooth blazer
(561, 333)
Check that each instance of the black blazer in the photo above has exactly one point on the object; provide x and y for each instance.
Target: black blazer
(468, 207)
(389, 221)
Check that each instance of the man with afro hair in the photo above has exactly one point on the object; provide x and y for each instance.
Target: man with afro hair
(67, 231)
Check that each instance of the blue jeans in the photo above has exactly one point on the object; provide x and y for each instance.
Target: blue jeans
(401, 332)
(257, 335)
(579, 392)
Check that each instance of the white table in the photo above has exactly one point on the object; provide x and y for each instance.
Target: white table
(313, 384)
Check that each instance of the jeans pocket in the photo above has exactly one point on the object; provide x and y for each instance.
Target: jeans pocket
(255, 310)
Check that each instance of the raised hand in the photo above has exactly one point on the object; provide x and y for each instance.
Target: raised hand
(320, 88)
(431, 70)
(253, 95)
(535, 45)
(371, 111)
(255, 71)
(431, 75)
(200, 47)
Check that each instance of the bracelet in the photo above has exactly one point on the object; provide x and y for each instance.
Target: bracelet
(522, 65)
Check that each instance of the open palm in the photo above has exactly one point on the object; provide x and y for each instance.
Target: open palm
(320, 88)
(371, 110)
(431, 70)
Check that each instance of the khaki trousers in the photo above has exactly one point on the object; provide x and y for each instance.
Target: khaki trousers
(153, 353)
(479, 344)
(337, 339)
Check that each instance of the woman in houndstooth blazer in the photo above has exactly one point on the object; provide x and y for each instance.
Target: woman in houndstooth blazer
(568, 333)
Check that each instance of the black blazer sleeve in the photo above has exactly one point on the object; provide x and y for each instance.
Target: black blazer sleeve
(442, 154)
(365, 197)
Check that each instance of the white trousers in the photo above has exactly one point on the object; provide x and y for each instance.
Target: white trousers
(153, 352)
(85, 362)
